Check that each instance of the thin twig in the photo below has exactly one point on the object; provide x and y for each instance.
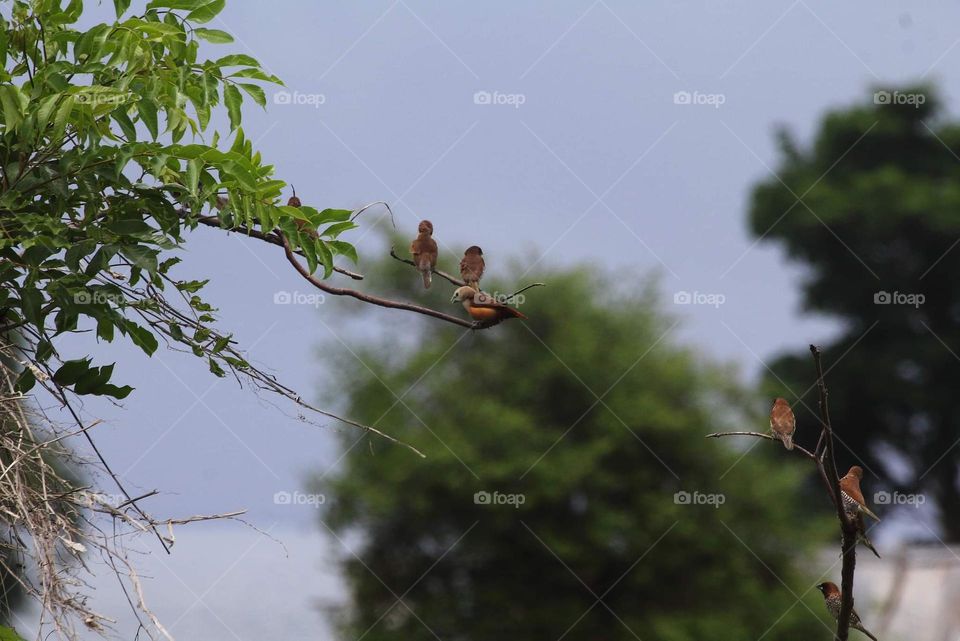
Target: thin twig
(368, 298)
(796, 447)
(452, 279)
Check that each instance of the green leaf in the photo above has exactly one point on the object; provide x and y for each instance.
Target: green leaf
(214, 35)
(233, 100)
(141, 337)
(71, 371)
(237, 60)
(24, 384)
(120, 6)
(148, 116)
(31, 302)
(141, 256)
(256, 93)
(207, 12)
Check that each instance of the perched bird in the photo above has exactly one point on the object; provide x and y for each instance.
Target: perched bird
(854, 505)
(482, 307)
(782, 422)
(302, 225)
(832, 598)
(471, 266)
(424, 250)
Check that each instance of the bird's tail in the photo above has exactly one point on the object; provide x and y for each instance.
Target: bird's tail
(427, 278)
(788, 441)
(869, 544)
(516, 314)
(868, 512)
(866, 632)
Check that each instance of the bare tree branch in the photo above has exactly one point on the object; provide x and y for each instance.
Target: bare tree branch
(368, 298)
(849, 530)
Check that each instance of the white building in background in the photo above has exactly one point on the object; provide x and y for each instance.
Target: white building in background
(912, 594)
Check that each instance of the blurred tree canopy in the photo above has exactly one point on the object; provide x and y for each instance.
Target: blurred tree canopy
(871, 209)
(515, 411)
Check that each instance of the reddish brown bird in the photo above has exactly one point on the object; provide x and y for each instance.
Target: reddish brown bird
(424, 250)
(832, 598)
(472, 266)
(782, 422)
(855, 506)
(482, 307)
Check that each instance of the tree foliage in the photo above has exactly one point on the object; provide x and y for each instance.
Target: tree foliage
(876, 229)
(517, 412)
(107, 158)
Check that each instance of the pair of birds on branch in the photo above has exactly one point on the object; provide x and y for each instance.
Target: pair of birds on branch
(482, 307)
(783, 424)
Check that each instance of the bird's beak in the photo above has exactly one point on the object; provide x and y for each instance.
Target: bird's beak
(454, 299)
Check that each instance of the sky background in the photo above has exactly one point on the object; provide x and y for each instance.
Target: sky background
(599, 165)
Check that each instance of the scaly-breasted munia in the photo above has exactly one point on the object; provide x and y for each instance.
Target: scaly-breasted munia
(424, 250)
(482, 307)
(832, 598)
(854, 505)
(472, 266)
(782, 422)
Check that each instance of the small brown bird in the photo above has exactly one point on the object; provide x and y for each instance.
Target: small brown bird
(855, 506)
(482, 307)
(832, 598)
(472, 266)
(782, 422)
(424, 250)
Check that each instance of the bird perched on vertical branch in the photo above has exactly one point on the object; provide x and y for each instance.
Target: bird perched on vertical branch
(424, 250)
(472, 266)
(482, 307)
(832, 598)
(854, 505)
(782, 422)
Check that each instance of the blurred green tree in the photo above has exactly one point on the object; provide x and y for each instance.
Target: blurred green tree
(592, 417)
(872, 211)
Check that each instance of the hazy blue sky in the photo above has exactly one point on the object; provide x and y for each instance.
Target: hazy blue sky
(598, 165)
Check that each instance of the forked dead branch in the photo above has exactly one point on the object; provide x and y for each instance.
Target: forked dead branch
(824, 460)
